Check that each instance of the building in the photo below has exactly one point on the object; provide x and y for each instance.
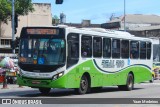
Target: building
(84, 23)
(139, 25)
(133, 21)
(40, 17)
(62, 18)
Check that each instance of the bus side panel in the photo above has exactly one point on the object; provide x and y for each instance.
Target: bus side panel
(100, 78)
(75, 74)
(142, 74)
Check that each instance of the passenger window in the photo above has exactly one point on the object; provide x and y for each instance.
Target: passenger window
(115, 48)
(134, 49)
(73, 49)
(106, 47)
(125, 49)
(143, 50)
(148, 50)
(86, 49)
(97, 47)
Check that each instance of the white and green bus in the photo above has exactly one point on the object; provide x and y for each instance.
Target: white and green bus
(82, 58)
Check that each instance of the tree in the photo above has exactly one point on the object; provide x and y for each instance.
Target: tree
(5, 10)
(22, 7)
(55, 20)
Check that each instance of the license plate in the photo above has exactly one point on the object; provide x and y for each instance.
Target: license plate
(11, 74)
(36, 82)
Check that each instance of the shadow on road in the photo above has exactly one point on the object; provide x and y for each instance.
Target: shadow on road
(70, 92)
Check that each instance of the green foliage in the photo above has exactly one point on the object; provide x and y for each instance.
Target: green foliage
(22, 7)
(55, 20)
(5, 10)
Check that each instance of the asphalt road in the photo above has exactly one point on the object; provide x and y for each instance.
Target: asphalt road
(142, 90)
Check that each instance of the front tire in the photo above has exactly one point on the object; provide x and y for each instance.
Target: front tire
(44, 90)
(129, 85)
(84, 85)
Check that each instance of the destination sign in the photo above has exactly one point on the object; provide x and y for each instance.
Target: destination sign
(42, 31)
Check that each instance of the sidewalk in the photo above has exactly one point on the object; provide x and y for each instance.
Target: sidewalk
(11, 86)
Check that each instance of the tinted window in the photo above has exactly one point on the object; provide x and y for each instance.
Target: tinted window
(97, 46)
(107, 47)
(148, 50)
(115, 48)
(86, 46)
(134, 49)
(73, 49)
(143, 50)
(125, 49)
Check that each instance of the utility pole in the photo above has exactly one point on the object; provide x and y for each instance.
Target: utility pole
(13, 26)
(124, 15)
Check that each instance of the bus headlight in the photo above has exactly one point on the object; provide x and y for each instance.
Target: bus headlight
(57, 76)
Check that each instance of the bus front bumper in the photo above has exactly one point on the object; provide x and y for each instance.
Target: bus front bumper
(37, 83)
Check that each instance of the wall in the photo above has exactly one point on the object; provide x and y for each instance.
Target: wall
(40, 17)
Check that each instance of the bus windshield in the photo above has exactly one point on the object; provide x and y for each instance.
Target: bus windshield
(42, 51)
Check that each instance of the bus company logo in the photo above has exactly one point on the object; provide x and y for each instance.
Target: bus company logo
(113, 63)
(6, 101)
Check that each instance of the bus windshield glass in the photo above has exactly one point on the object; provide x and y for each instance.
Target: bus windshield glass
(42, 51)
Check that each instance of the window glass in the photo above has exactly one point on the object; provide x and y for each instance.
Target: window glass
(97, 46)
(2, 42)
(143, 50)
(125, 49)
(86, 49)
(5, 41)
(148, 50)
(116, 48)
(43, 51)
(134, 49)
(107, 47)
(73, 49)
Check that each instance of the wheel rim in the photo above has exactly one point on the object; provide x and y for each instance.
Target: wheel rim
(84, 84)
(130, 82)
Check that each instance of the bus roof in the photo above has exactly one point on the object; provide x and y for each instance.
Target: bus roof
(107, 33)
(98, 32)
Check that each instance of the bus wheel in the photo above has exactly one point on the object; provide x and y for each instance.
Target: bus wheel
(129, 85)
(84, 85)
(44, 90)
(152, 80)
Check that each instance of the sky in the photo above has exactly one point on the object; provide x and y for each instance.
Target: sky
(99, 11)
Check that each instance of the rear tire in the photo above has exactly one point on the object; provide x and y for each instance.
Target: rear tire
(129, 84)
(84, 85)
(44, 90)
